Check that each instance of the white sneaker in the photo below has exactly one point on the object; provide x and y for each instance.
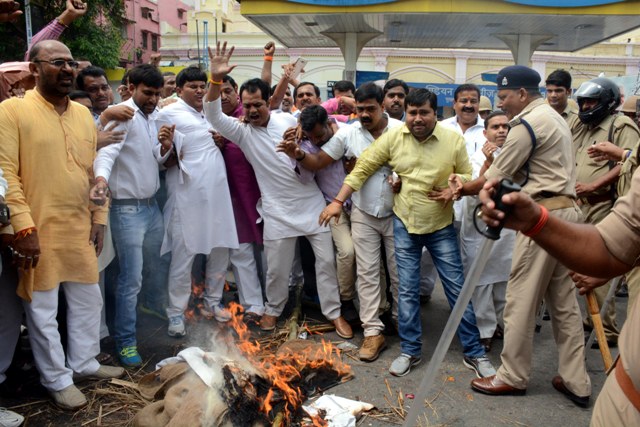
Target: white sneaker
(403, 364)
(69, 398)
(176, 327)
(481, 365)
(9, 418)
(221, 314)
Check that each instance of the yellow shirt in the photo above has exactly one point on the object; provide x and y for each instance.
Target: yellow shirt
(47, 160)
(422, 166)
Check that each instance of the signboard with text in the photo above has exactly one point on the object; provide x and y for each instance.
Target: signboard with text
(445, 91)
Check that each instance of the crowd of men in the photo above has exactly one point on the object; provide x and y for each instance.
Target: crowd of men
(384, 193)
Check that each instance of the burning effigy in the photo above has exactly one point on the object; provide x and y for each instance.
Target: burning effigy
(240, 383)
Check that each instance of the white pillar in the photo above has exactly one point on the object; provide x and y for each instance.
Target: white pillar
(461, 69)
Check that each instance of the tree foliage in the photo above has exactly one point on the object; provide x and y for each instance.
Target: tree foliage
(96, 37)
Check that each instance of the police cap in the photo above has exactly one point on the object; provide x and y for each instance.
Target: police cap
(518, 76)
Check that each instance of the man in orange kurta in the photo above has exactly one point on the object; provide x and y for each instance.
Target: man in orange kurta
(47, 151)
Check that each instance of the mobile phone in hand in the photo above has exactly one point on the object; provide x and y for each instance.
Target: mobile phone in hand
(298, 66)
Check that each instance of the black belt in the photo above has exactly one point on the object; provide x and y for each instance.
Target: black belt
(134, 202)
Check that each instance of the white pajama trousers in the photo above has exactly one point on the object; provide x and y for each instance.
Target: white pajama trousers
(488, 303)
(10, 320)
(280, 254)
(245, 271)
(84, 303)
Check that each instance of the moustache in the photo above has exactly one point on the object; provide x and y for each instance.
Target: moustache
(468, 110)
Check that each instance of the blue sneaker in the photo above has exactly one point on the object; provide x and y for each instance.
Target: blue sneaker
(129, 356)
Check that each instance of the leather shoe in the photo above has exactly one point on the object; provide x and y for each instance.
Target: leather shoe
(558, 384)
(268, 322)
(493, 386)
(343, 329)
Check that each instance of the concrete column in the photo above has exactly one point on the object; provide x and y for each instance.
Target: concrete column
(522, 46)
(461, 69)
(351, 45)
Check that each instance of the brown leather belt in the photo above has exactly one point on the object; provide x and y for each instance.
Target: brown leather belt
(557, 202)
(626, 385)
(594, 200)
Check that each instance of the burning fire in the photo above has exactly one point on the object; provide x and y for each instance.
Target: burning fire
(293, 372)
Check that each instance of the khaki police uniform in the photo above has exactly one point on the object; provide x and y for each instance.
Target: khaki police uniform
(534, 273)
(619, 401)
(598, 204)
(570, 115)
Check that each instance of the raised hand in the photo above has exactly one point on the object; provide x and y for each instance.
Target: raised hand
(220, 61)
(9, 11)
(269, 49)
(76, 8)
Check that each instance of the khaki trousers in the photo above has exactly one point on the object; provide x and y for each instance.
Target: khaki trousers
(535, 275)
(593, 215)
(612, 407)
(367, 232)
(345, 256)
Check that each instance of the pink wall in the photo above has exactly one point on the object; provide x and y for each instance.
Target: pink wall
(169, 14)
(133, 52)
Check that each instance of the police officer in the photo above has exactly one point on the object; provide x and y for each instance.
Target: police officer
(596, 180)
(614, 248)
(538, 155)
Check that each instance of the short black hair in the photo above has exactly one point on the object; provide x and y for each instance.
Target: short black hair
(344, 86)
(168, 73)
(91, 71)
(466, 87)
(232, 82)
(146, 74)
(79, 94)
(560, 78)
(254, 85)
(316, 89)
(190, 74)
(367, 91)
(494, 113)
(312, 116)
(125, 78)
(390, 84)
(421, 96)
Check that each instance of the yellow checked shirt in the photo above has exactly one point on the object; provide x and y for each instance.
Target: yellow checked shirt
(422, 166)
(47, 160)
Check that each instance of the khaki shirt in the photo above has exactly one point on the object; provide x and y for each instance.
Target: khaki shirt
(570, 115)
(551, 165)
(620, 231)
(625, 136)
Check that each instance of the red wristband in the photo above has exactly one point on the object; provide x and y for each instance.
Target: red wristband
(340, 202)
(542, 221)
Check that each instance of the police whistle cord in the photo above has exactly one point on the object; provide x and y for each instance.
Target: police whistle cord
(477, 267)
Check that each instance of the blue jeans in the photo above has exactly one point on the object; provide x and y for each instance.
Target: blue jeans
(443, 247)
(136, 230)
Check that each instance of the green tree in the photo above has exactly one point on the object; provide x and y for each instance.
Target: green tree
(96, 37)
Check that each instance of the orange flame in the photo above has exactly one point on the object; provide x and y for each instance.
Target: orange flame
(284, 368)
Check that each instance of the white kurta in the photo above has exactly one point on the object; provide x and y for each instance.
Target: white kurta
(499, 265)
(290, 207)
(197, 190)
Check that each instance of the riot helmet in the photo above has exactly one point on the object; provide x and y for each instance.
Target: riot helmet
(603, 90)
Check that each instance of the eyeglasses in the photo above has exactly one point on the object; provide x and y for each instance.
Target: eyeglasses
(60, 63)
